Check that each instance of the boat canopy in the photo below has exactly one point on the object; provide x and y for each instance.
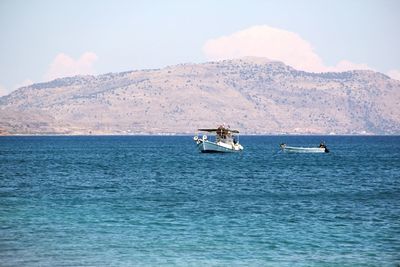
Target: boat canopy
(220, 130)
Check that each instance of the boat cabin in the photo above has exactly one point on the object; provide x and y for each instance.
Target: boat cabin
(223, 134)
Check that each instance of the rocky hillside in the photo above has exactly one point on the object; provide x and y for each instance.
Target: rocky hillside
(252, 94)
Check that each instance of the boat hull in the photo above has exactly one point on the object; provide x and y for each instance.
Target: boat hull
(206, 146)
(305, 149)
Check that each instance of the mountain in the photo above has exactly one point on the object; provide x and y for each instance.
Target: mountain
(254, 95)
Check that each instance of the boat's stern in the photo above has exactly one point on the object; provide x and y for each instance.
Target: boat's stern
(239, 147)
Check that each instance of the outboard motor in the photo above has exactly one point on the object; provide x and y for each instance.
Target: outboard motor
(322, 145)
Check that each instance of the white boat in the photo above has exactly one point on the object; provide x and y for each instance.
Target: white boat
(321, 149)
(226, 140)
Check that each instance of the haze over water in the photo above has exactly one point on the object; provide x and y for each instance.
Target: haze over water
(134, 201)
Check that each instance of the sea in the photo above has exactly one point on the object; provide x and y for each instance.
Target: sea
(158, 201)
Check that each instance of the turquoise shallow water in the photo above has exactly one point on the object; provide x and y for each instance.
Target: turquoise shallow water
(150, 201)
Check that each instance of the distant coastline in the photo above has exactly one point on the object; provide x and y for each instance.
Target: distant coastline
(189, 135)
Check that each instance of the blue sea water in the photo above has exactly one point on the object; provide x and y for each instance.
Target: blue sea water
(151, 201)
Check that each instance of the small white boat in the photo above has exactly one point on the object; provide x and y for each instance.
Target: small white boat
(321, 149)
(226, 140)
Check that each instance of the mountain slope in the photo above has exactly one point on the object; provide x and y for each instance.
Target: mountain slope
(252, 94)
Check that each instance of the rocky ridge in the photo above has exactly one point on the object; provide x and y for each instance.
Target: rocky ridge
(255, 95)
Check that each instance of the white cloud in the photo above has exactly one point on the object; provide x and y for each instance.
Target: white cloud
(344, 65)
(3, 91)
(394, 74)
(24, 83)
(64, 65)
(275, 44)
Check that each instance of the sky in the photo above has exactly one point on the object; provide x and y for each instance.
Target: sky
(41, 40)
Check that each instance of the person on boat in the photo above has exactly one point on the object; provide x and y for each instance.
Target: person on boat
(220, 131)
(322, 145)
(234, 140)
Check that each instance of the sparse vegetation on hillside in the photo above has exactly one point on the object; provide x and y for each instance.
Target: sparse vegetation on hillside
(255, 95)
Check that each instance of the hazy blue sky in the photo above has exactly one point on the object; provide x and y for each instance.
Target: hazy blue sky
(41, 40)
